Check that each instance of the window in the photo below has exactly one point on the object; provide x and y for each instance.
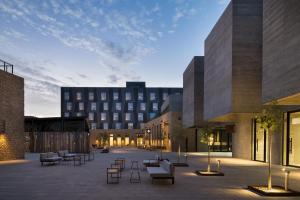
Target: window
(69, 106)
(127, 116)
(78, 96)
(116, 96)
(130, 125)
(118, 106)
(127, 96)
(116, 117)
(78, 114)
(67, 96)
(155, 106)
(91, 116)
(140, 96)
(165, 96)
(105, 106)
(143, 106)
(67, 114)
(93, 106)
(81, 106)
(152, 115)
(118, 125)
(152, 96)
(141, 117)
(105, 125)
(93, 126)
(103, 96)
(130, 106)
(103, 116)
(91, 96)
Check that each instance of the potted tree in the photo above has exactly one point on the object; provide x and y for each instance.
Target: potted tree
(206, 136)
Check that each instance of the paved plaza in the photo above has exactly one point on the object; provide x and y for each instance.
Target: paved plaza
(26, 179)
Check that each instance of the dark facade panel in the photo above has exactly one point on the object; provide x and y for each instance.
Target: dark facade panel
(281, 47)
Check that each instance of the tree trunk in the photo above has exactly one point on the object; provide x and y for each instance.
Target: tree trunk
(208, 158)
(270, 161)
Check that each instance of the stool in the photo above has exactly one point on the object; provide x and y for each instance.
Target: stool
(135, 176)
(118, 167)
(120, 162)
(135, 165)
(113, 173)
(123, 160)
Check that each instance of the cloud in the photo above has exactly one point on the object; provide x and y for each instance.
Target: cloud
(83, 76)
(113, 79)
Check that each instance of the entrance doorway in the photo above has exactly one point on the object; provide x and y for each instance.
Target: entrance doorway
(292, 140)
(260, 141)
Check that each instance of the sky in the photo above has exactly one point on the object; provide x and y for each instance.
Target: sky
(101, 43)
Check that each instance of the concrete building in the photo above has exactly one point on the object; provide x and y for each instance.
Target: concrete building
(115, 112)
(232, 71)
(11, 113)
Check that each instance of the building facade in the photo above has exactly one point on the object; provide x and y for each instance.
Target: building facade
(116, 111)
(11, 114)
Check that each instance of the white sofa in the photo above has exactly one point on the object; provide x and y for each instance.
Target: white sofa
(165, 171)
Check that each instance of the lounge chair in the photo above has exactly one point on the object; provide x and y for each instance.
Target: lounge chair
(50, 157)
(165, 171)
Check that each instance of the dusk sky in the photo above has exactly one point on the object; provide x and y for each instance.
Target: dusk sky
(101, 43)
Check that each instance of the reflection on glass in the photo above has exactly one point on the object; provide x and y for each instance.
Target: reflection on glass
(294, 139)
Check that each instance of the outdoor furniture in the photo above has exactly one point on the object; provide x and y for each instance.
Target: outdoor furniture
(49, 157)
(78, 159)
(135, 172)
(151, 163)
(165, 171)
(66, 155)
(123, 162)
(105, 150)
(120, 162)
(112, 175)
(118, 167)
(134, 164)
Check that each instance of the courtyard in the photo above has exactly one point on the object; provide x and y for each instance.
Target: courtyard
(26, 179)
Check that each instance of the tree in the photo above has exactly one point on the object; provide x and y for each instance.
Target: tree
(206, 136)
(269, 120)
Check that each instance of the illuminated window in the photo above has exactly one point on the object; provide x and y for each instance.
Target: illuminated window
(81, 106)
(78, 114)
(78, 96)
(127, 96)
(130, 125)
(116, 95)
(140, 96)
(141, 117)
(105, 106)
(130, 106)
(105, 125)
(165, 96)
(143, 106)
(91, 96)
(116, 116)
(93, 106)
(103, 116)
(69, 106)
(67, 96)
(103, 96)
(118, 106)
(155, 106)
(152, 96)
(127, 116)
(91, 116)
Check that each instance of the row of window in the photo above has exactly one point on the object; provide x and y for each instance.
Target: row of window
(116, 96)
(118, 106)
(116, 116)
(117, 125)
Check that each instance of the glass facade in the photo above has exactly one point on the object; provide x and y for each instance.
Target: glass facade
(260, 143)
(293, 139)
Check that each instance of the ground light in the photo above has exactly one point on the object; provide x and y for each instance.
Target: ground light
(276, 190)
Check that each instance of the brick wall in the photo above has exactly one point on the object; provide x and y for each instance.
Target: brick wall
(12, 116)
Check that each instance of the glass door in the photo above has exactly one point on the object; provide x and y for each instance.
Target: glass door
(260, 143)
(293, 139)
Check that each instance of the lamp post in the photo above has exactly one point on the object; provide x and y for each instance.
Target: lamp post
(148, 132)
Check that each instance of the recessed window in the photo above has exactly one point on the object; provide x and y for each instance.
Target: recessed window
(103, 96)
(81, 106)
(152, 115)
(91, 96)
(130, 106)
(105, 106)
(66, 114)
(67, 96)
(93, 125)
(118, 106)
(91, 116)
(127, 116)
(103, 116)
(130, 125)
(165, 96)
(128, 96)
(140, 96)
(69, 106)
(143, 106)
(118, 125)
(155, 106)
(78, 96)
(140, 117)
(116, 117)
(152, 96)
(93, 106)
(116, 95)
(105, 125)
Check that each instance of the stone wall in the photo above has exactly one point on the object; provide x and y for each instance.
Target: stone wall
(11, 116)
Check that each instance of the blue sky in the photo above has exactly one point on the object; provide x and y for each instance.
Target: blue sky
(55, 43)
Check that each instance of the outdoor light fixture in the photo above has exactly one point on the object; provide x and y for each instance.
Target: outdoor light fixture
(218, 165)
(286, 178)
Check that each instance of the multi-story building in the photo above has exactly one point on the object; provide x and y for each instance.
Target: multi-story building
(117, 112)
